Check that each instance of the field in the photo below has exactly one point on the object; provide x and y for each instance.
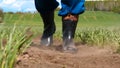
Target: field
(97, 38)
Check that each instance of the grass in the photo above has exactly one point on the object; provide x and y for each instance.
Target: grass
(94, 28)
(98, 19)
(88, 21)
(13, 41)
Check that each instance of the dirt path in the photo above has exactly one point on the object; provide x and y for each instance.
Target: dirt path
(87, 57)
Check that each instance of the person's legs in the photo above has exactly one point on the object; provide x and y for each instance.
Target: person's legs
(69, 26)
(70, 13)
(46, 9)
(49, 28)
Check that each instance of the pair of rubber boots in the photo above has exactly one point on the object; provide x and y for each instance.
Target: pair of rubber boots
(69, 23)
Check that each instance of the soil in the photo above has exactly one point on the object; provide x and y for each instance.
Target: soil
(37, 56)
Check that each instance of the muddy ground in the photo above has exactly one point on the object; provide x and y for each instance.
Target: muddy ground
(37, 56)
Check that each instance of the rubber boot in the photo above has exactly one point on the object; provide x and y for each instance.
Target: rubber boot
(49, 28)
(69, 26)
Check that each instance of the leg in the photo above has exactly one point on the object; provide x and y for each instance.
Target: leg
(49, 28)
(70, 13)
(68, 28)
(46, 9)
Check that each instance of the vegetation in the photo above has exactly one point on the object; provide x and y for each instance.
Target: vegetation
(99, 37)
(1, 15)
(13, 41)
(97, 28)
(107, 5)
(93, 27)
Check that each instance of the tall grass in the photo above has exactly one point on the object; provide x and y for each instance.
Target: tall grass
(13, 41)
(99, 37)
(94, 28)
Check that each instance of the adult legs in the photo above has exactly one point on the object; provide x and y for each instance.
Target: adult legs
(69, 23)
(49, 28)
(70, 13)
(46, 9)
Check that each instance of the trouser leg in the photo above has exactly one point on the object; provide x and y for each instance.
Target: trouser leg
(49, 28)
(49, 24)
(46, 9)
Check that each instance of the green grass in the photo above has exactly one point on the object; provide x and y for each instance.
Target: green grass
(89, 21)
(13, 41)
(99, 19)
(94, 28)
